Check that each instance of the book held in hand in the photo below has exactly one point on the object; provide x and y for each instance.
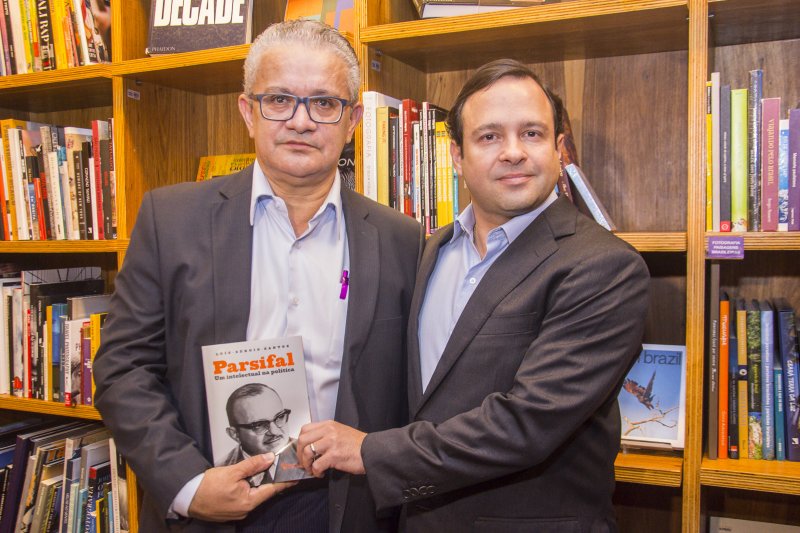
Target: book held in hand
(257, 402)
(652, 402)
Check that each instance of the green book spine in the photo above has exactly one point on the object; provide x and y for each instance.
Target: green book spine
(739, 156)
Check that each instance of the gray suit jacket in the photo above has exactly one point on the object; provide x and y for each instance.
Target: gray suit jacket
(519, 427)
(185, 283)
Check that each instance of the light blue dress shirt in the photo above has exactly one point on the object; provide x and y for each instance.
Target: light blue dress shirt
(458, 271)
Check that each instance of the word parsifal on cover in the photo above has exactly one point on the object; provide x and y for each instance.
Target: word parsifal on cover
(257, 401)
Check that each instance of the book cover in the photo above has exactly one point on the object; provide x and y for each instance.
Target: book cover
(754, 94)
(754, 381)
(450, 8)
(339, 14)
(652, 400)
(257, 401)
(788, 354)
(586, 198)
(222, 165)
(739, 160)
(198, 25)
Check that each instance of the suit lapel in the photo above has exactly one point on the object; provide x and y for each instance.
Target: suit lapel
(232, 246)
(363, 247)
(519, 260)
(426, 266)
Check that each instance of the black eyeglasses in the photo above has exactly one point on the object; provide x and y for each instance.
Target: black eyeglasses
(262, 426)
(280, 107)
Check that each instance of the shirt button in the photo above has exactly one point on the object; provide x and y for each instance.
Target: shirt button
(295, 301)
(472, 281)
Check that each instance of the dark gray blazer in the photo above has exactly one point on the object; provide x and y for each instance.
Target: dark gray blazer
(519, 427)
(185, 283)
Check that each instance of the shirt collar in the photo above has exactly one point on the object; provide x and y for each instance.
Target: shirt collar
(262, 189)
(465, 223)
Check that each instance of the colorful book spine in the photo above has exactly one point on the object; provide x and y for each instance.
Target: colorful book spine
(741, 377)
(716, 144)
(733, 399)
(768, 383)
(793, 163)
(754, 150)
(783, 175)
(724, 338)
(755, 440)
(725, 158)
(709, 161)
(770, 112)
(713, 360)
(788, 353)
(739, 160)
(780, 399)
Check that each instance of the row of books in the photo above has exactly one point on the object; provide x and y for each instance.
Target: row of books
(59, 183)
(406, 159)
(51, 328)
(752, 159)
(39, 35)
(61, 477)
(753, 408)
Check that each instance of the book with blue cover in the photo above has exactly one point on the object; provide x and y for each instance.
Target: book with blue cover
(652, 401)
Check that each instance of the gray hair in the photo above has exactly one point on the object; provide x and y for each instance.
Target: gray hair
(309, 33)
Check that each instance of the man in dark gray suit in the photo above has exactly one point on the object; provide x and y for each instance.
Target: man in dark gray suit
(278, 249)
(525, 319)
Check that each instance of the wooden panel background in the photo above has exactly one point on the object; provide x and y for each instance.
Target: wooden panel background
(651, 509)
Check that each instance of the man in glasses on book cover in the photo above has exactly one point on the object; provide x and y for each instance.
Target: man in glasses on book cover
(279, 249)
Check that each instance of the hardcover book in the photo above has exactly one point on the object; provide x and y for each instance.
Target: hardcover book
(586, 198)
(198, 25)
(257, 402)
(652, 400)
(222, 165)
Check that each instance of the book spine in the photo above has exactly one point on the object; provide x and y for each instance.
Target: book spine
(783, 175)
(793, 163)
(739, 160)
(45, 31)
(725, 159)
(713, 360)
(767, 384)
(787, 337)
(770, 111)
(368, 145)
(780, 432)
(716, 145)
(86, 181)
(741, 378)
(733, 399)
(724, 337)
(709, 160)
(755, 440)
(587, 194)
(754, 150)
(8, 40)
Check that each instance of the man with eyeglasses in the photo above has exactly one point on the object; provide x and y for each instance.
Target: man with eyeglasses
(279, 249)
(257, 417)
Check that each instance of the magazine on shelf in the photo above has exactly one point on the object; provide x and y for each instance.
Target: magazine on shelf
(262, 384)
(652, 401)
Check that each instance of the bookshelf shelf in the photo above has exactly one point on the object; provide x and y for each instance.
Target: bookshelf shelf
(649, 469)
(60, 247)
(72, 88)
(765, 240)
(48, 408)
(749, 21)
(214, 71)
(781, 477)
(655, 242)
(573, 30)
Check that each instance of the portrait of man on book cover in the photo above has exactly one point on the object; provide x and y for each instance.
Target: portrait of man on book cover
(258, 423)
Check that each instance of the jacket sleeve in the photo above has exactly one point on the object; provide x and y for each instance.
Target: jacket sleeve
(133, 392)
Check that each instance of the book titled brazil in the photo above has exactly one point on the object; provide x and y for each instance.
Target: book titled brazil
(189, 25)
(652, 400)
(257, 402)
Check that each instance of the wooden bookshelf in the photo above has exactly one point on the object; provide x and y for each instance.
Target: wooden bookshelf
(632, 74)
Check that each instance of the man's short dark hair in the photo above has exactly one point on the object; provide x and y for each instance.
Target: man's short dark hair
(245, 391)
(488, 75)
